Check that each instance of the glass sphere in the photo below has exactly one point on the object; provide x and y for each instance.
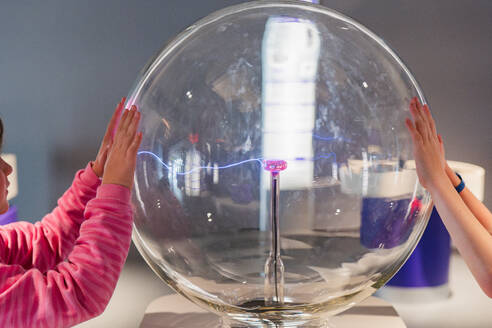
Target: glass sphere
(274, 183)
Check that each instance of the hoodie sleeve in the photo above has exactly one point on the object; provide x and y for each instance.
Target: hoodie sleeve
(43, 244)
(80, 287)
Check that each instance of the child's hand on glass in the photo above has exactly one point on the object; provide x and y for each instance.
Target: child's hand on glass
(122, 157)
(102, 155)
(428, 147)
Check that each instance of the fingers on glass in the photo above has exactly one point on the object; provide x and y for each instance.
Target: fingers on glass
(124, 118)
(114, 119)
(131, 115)
(127, 135)
(117, 111)
(422, 123)
(418, 105)
(119, 108)
(430, 119)
(410, 127)
(136, 143)
(132, 128)
(414, 110)
(413, 130)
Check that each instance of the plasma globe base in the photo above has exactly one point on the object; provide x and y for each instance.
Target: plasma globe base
(315, 323)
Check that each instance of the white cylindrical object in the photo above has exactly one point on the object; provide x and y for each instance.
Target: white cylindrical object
(13, 190)
(473, 176)
(290, 54)
(355, 179)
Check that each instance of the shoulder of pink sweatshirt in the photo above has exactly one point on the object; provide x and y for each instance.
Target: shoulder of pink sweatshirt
(75, 287)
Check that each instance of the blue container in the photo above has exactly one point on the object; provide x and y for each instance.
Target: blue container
(383, 222)
(428, 266)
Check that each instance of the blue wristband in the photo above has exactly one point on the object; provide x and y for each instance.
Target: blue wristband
(459, 188)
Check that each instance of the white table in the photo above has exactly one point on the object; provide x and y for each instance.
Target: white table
(173, 311)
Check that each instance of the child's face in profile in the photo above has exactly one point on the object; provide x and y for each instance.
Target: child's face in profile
(5, 170)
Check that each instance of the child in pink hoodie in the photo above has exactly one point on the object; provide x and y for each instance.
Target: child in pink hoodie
(63, 270)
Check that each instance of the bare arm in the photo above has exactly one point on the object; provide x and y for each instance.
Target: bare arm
(479, 210)
(470, 235)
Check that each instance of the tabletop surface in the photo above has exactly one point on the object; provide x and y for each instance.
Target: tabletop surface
(173, 311)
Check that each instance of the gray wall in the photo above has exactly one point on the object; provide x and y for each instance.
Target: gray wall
(65, 64)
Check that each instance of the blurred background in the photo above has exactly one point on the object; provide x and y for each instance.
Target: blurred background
(65, 65)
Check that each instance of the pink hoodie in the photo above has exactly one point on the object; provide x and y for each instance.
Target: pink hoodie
(63, 270)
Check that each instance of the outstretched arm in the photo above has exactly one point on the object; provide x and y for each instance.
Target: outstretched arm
(79, 288)
(479, 210)
(43, 244)
(471, 238)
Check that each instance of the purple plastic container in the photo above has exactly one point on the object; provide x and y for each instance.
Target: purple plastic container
(9, 217)
(428, 266)
(383, 222)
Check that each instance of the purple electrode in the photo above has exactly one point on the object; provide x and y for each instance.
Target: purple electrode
(274, 267)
